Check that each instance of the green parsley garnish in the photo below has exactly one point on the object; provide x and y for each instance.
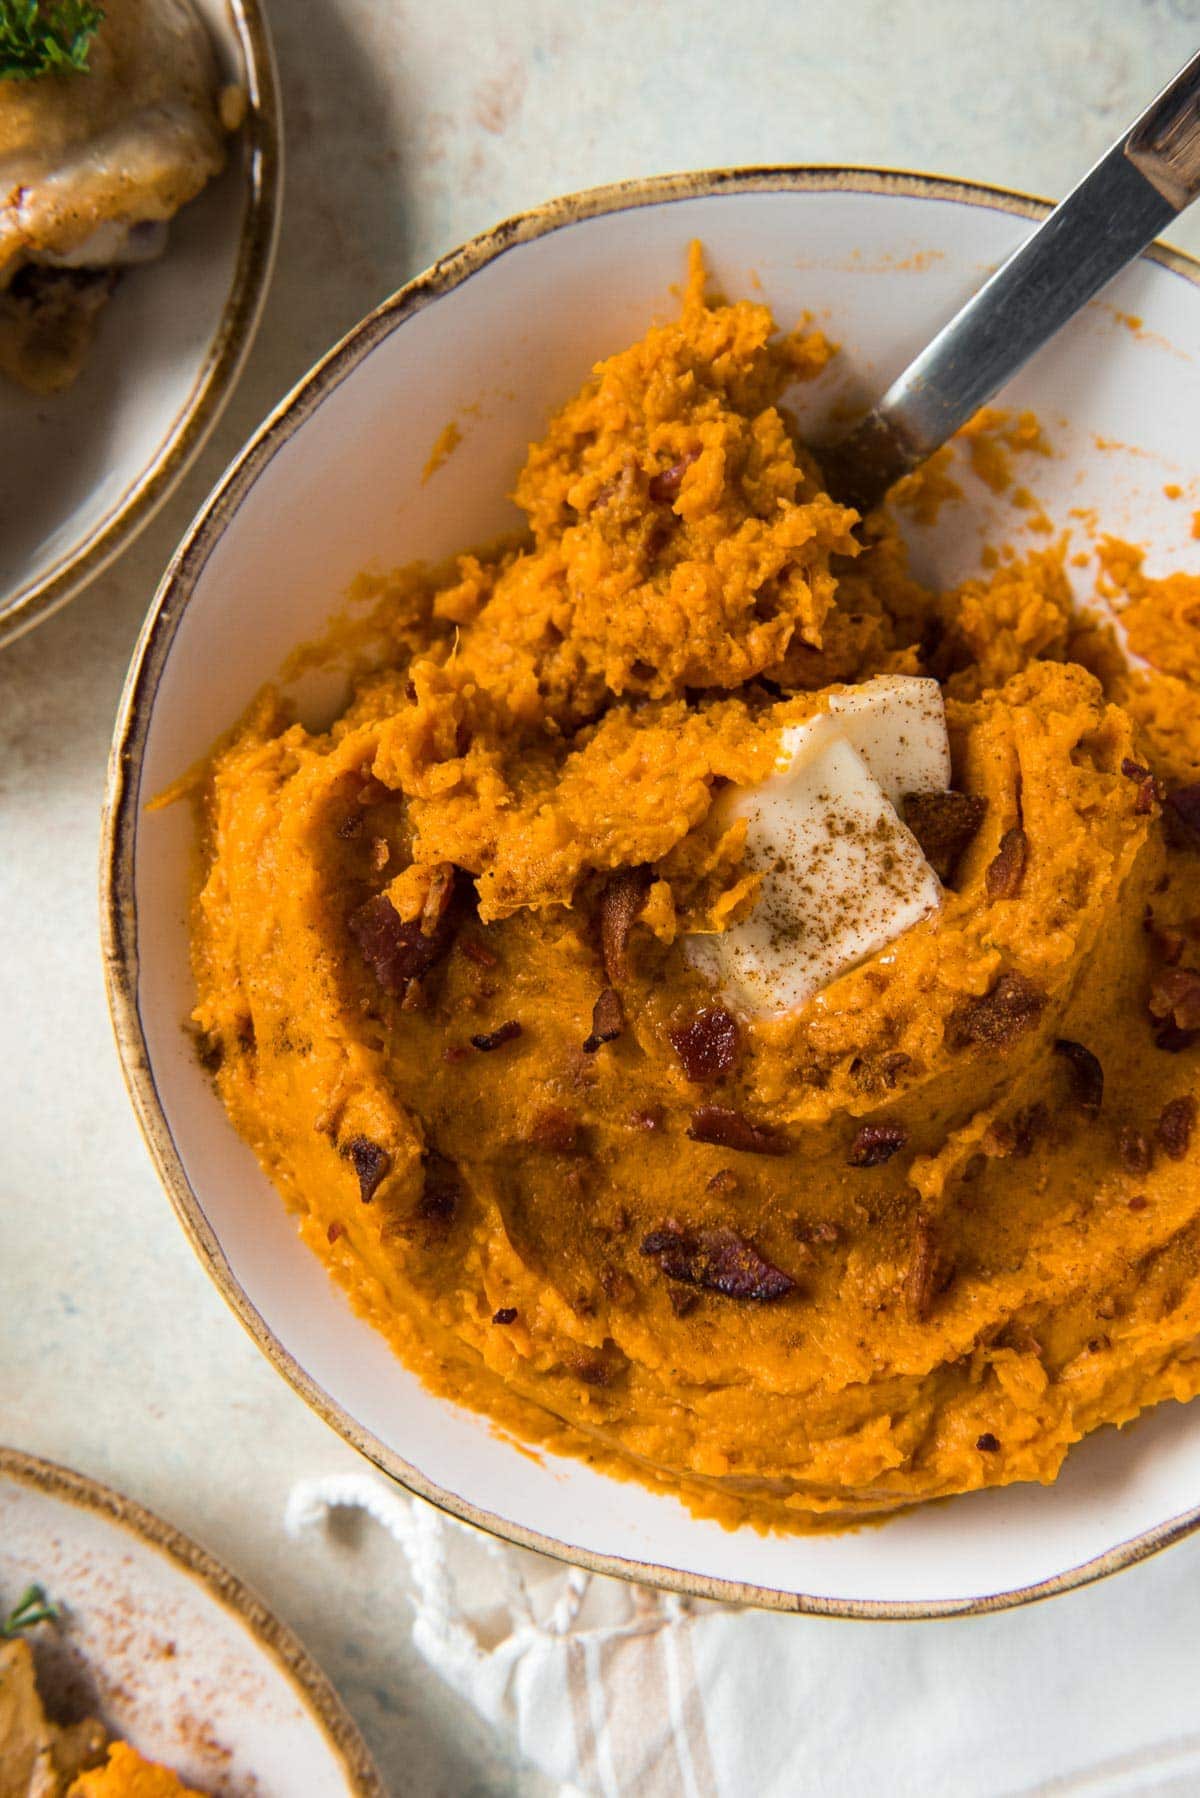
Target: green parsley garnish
(32, 1607)
(46, 39)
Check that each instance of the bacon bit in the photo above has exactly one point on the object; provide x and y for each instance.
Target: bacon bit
(503, 1033)
(664, 486)
(920, 1282)
(820, 1231)
(724, 1180)
(988, 1444)
(617, 1285)
(875, 1144)
(881, 1075)
(1149, 790)
(371, 1163)
(1012, 1006)
(708, 1046)
(350, 826)
(621, 903)
(1175, 1127)
(555, 1129)
(608, 1020)
(598, 1367)
(1007, 871)
(334, 1231)
(398, 953)
(507, 1314)
(1087, 1075)
(944, 824)
(1139, 1202)
(1136, 1150)
(442, 880)
(681, 1301)
(729, 1129)
(1175, 998)
(647, 1120)
(1174, 1040)
(478, 952)
(718, 1261)
(1182, 811)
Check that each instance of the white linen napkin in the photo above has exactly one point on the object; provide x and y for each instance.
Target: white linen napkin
(614, 1690)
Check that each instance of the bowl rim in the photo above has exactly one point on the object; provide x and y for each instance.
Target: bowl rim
(46, 592)
(314, 1688)
(119, 829)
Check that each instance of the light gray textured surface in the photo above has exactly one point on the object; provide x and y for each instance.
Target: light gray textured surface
(409, 128)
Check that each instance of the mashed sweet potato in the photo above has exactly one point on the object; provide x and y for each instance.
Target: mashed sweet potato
(918, 1237)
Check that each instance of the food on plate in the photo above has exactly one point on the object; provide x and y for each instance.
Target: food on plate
(40, 1758)
(110, 120)
(718, 1006)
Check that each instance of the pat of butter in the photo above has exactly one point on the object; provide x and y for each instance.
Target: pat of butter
(897, 723)
(842, 875)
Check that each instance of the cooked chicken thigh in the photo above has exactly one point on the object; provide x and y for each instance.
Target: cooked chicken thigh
(91, 168)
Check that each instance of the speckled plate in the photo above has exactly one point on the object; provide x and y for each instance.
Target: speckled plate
(493, 338)
(85, 470)
(167, 1648)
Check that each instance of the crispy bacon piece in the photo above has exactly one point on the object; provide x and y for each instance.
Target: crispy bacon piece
(371, 1163)
(1012, 1006)
(1007, 870)
(1174, 1040)
(730, 1129)
(620, 905)
(399, 953)
(707, 1046)
(1182, 813)
(716, 1260)
(1175, 1126)
(507, 1314)
(664, 486)
(1087, 1075)
(1175, 998)
(875, 1144)
(608, 1021)
(944, 824)
(1148, 789)
(493, 1039)
(335, 1230)
(921, 1281)
(987, 1444)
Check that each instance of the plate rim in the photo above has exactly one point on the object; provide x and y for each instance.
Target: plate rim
(315, 1689)
(118, 912)
(47, 592)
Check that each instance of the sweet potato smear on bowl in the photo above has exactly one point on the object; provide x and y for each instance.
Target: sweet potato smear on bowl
(462, 982)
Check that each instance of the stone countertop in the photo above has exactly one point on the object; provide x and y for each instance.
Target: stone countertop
(409, 126)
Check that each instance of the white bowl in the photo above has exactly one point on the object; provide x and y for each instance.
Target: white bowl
(510, 325)
(85, 470)
(179, 1658)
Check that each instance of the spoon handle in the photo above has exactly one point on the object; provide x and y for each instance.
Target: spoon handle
(1148, 177)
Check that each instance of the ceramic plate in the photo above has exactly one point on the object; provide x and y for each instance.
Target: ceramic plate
(84, 470)
(167, 1648)
(494, 338)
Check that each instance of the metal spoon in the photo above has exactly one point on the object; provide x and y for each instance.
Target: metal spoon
(1147, 179)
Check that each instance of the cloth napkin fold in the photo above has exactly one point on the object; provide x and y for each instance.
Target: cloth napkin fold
(614, 1690)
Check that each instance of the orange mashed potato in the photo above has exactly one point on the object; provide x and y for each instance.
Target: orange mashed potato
(916, 1238)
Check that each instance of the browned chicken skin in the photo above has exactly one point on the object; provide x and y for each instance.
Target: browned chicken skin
(92, 166)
